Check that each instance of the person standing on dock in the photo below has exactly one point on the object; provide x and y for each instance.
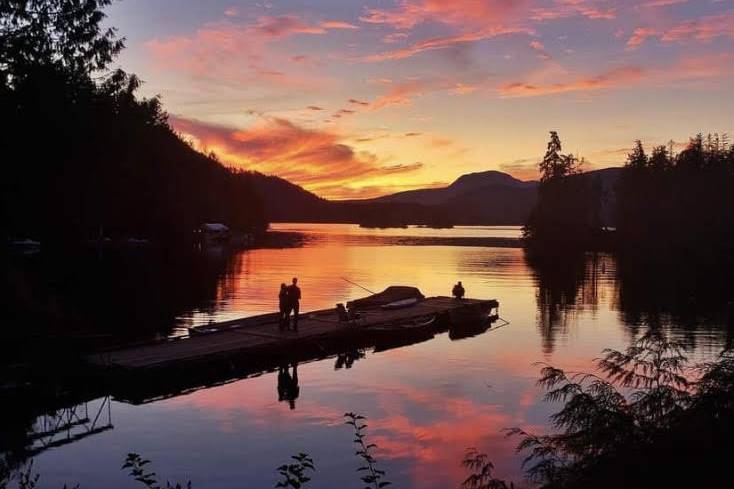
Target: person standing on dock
(458, 291)
(283, 305)
(294, 298)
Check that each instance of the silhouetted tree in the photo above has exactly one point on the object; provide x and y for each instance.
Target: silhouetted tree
(638, 158)
(566, 217)
(634, 423)
(555, 164)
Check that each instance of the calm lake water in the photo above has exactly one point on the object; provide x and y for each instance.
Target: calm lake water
(425, 403)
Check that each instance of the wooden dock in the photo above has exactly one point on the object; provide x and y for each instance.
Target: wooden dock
(260, 337)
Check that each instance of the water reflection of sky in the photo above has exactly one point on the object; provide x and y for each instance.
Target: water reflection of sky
(425, 403)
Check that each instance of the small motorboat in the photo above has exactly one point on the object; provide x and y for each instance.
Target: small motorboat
(389, 336)
(416, 324)
(472, 314)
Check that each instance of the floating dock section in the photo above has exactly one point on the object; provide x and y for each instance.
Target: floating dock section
(260, 337)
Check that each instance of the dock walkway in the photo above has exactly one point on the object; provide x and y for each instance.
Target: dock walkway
(260, 335)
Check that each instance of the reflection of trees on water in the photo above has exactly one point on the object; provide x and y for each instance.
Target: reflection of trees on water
(565, 287)
(683, 300)
(116, 296)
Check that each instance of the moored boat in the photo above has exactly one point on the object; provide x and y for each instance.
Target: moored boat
(415, 324)
(472, 313)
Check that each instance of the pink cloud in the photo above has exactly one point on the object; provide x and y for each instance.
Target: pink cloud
(539, 48)
(639, 36)
(444, 42)
(661, 3)
(462, 13)
(233, 53)
(286, 25)
(709, 66)
(703, 29)
(560, 9)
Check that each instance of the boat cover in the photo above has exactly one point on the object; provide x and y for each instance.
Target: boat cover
(394, 293)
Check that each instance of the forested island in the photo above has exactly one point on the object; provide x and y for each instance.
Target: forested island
(667, 206)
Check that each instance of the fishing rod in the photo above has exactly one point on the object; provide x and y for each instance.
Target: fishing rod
(363, 288)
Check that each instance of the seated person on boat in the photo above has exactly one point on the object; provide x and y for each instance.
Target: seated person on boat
(458, 291)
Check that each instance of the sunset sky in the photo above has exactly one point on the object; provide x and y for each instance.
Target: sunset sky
(355, 99)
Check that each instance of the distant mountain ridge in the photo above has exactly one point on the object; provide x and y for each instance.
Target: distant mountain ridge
(463, 185)
(489, 198)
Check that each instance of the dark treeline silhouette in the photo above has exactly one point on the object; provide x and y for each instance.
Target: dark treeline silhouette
(568, 213)
(678, 206)
(85, 157)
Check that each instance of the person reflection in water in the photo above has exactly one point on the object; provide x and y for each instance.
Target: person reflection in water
(283, 305)
(458, 291)
(288, 389)
(294, 298)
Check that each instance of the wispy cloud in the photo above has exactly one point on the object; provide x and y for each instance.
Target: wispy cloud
(561, 9)
(613, 78)
(288, 25)
(442, 42)
(409, 13)
(232, 52)
(686, 69)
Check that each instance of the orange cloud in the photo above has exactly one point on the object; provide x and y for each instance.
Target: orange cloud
(400, 94)
(317, 159)
(616, 77)
(685, 70)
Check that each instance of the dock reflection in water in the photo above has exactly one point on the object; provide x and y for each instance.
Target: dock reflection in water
(425, 402)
